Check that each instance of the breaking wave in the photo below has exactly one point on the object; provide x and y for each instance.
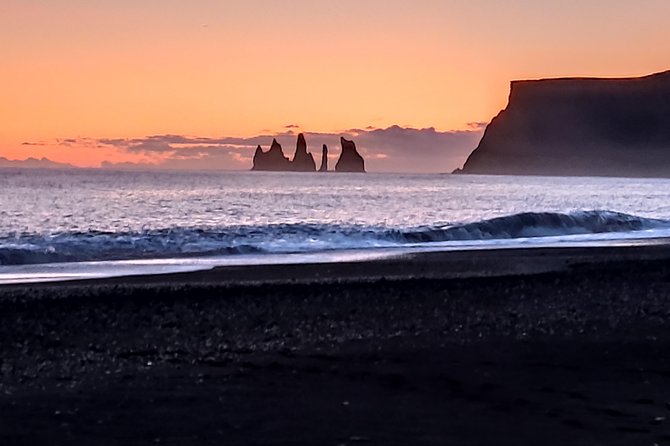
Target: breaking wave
(537, 224)
(22, 249)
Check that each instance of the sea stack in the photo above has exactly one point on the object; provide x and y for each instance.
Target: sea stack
(350, 160)
(580, 126)
(302, 160)
(273, 159)
(324, 159)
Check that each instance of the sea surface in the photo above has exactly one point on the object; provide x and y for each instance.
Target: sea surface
(71, 224)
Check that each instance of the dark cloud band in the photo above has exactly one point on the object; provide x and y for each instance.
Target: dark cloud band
(393, 148)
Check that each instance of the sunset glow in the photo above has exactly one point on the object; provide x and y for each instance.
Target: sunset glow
(85, 70)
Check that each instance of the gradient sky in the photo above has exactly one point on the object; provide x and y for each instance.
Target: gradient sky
(82, 81)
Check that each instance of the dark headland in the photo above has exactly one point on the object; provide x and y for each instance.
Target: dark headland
(580, 126)
(518, 347)
(303, 161)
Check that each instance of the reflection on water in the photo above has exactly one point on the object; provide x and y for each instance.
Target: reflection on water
(89, 215)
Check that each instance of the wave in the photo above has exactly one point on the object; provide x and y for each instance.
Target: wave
(21, 249)
(537, 224)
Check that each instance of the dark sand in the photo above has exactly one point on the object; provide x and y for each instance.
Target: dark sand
(541, 347)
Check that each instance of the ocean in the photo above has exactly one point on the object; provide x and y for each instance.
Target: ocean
(73, 224)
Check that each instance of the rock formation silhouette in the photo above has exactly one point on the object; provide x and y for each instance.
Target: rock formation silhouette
(350, 160)
(273, 159)
(580, 126)
(302, 160)
(324, 159)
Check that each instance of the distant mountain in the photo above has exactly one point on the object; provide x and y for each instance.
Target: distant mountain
(42, 163)
(580, 126)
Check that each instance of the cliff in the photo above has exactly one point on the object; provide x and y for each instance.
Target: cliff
(580, 126)
(350, 160)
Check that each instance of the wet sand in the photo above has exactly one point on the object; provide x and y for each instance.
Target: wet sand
(545, 346)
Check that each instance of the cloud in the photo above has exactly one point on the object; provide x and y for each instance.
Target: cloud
(395, 148)
(292, 126)
(215, 158)
(66, 142)
(168, 143)
(416, 150)
(477, 125)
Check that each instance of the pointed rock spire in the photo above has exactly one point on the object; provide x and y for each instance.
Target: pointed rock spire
(258, 155)
(276, 147)
(302, 161)
(324, 159)
(301, 145)
(273, 159)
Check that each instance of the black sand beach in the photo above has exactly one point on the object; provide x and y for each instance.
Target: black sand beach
(542, 346)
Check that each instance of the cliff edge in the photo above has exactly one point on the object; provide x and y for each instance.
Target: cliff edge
(579, 126)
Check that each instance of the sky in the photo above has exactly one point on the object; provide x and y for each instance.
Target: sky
(198, 84)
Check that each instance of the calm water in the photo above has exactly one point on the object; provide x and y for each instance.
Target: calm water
(52, 217)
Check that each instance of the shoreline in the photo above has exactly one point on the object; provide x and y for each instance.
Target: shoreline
(200, 268)
(547, 347)
(453, 264)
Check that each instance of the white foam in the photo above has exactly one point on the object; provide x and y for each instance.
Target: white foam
(68, 271)
(72, 271)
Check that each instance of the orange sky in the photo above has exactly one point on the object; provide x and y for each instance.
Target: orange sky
(213, 68)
